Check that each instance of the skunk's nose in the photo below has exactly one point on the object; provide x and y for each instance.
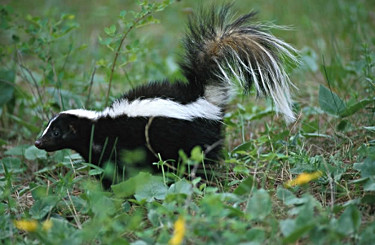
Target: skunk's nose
(38, 143)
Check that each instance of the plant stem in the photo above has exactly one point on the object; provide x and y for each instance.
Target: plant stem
(118, 52)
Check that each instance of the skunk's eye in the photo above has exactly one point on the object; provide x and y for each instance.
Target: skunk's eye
(56, 133)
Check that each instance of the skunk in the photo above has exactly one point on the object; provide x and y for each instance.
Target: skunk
(163, 118)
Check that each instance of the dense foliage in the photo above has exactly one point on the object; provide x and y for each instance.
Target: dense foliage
(311, 182)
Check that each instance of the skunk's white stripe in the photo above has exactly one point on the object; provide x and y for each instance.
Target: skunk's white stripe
(48, 126)
(154, 108)
(93, 115)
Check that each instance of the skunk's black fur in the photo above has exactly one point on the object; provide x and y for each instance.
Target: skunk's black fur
(162, 117)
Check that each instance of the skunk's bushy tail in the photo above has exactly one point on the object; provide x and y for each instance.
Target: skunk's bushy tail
(221, 52)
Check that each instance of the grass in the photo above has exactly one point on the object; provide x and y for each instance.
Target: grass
(58, 56)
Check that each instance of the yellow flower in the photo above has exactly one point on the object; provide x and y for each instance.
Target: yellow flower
(26, 225)
(179, 232)
(32, 225)
(304, 178)
(47, 225)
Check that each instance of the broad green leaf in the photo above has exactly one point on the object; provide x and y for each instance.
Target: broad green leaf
(212, 205)
(141, 185)
(243, 147)
(288, 197)
(33, 153)
(367, 167)
(102, 206)
(259, 205)
(63, 231)
(293, 229)
(43, 206)
(241, 169)
(342, 125)
(349, 221)
(256, 236)
(154, 189)
(181, 187)
(369, 185)
(110, 30)
(95, 171)
(154, 217)
(287, 226)
(6, 86)
(371, 129)
(296, 233)
(197, 154)
(38, 191)
(245, 186)
(330, 102)
(127, 188)
(350, 110)
(123, 13)
(261, 114)
(11, 164)
(367, 235)
(310, 126)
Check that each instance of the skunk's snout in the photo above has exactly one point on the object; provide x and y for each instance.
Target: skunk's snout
(38, 144)
(46, 144)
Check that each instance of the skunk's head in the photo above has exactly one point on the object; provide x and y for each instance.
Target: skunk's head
(63, 131)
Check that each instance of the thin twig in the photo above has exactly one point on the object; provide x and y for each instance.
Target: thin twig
(74, 212)
(118, 52)
(151, 149)
(90, 87)
(67, 57)
(148, 144)
(34, 82)
(57, 79)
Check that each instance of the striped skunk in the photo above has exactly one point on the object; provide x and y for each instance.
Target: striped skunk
(162, 117)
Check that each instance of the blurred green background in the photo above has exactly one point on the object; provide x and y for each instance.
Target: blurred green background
(321, 29)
